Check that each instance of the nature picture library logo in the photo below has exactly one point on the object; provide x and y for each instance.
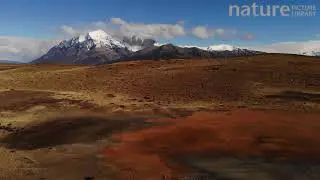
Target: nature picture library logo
(265, 10)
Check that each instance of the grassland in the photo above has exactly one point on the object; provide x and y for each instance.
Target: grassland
(238, 118)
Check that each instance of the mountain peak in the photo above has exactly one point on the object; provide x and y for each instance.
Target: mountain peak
(98, 35)
(93, 39)
(101, 39)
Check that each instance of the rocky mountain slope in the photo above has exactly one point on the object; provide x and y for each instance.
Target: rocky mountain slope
(94, 47)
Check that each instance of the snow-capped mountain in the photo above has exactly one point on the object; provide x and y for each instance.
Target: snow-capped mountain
(94, 39)
(94, 47)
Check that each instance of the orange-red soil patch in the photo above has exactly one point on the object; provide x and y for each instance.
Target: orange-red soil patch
(148, 153)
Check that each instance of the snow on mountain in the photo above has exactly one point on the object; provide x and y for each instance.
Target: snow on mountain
(134, 48)
(221, 47)
(217, 47)
(158, 44)
(94, 39)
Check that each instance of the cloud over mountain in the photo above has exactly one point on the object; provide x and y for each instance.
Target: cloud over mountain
(157, 31)
(205, 32)
(136, 41)
(119, 28)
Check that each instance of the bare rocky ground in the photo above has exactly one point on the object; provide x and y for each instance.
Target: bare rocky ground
(242, 118)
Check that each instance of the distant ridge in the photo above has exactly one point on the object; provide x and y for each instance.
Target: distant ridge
(170, 51)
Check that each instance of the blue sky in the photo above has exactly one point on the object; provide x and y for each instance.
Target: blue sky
(43, 19)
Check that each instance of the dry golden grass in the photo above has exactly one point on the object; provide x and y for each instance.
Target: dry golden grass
(243, 79)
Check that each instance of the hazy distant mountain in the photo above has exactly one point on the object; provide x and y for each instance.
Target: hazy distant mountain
(9, 62)
(170, 51)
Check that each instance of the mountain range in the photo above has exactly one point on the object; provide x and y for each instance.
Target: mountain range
(98, 47)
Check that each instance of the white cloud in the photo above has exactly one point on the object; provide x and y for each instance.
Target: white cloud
(117, 21)
(68, 30)
(156, 31)
(220, 32)
(202, 32)
(119, 28)
(22, 48)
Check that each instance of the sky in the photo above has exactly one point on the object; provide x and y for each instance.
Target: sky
(30, 27)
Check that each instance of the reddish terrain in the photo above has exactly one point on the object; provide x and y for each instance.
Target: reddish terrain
(151, 153)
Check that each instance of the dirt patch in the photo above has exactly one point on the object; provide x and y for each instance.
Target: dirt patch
(21, 100)
(151, 153)
(296, 96)
(7, 128)
(69, 130)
